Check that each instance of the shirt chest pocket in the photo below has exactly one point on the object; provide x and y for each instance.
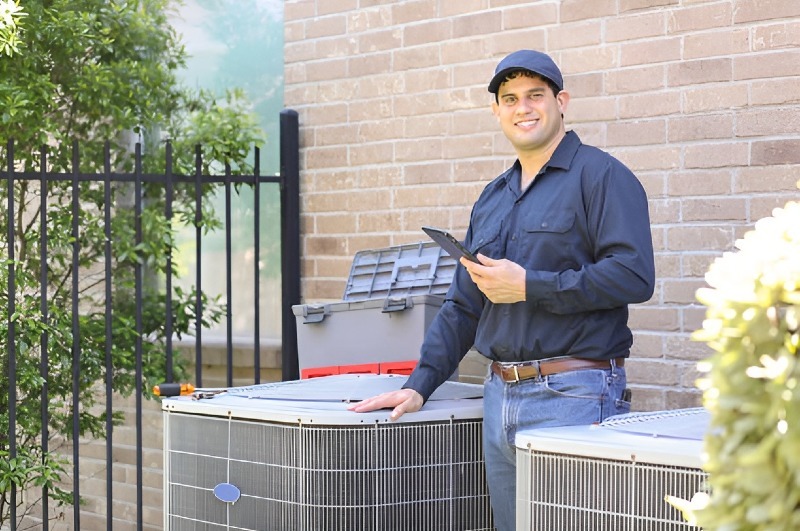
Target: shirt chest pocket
(549, 243)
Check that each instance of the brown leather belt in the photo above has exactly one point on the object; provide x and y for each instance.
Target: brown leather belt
(516, 372)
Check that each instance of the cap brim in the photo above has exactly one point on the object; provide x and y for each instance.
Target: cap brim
(497, 80)
(499, 77)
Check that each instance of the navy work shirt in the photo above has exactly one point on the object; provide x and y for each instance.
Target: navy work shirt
(581, 230)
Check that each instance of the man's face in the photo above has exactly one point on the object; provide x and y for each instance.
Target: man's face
(530, 115)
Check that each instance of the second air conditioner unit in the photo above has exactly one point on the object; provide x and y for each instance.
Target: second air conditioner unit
(611, 476)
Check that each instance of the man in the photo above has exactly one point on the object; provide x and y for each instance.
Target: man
(564, 241)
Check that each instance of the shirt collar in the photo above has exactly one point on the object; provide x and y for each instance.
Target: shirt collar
(561, 158)
(565, 151)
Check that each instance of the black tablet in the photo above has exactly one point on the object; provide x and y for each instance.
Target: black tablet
(449, 243)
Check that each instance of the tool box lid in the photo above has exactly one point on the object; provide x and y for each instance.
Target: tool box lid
(421, 268)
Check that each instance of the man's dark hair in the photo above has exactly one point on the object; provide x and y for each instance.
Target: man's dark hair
(527, 73)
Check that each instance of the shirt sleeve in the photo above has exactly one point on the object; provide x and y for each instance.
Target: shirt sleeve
(450, 335)
(623, 271)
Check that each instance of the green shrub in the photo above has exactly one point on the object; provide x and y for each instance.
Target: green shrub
(91, 71)
(750, 385)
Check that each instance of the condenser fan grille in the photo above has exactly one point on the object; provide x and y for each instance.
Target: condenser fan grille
(375, 477)
(567, 492)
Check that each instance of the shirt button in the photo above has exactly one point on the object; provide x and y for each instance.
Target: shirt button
(514, 237)
(544, 225)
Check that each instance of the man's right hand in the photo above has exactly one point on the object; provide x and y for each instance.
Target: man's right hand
(402, 401)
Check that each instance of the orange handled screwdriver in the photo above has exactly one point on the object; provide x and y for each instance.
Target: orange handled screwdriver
(173, 389)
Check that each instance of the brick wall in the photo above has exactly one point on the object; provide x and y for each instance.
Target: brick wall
(699, 97)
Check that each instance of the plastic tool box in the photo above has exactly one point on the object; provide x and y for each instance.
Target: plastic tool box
(391, 297)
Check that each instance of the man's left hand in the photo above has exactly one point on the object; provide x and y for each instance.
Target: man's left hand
(502, 281)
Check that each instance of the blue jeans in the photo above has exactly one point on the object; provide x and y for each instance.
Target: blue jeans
(564, 399)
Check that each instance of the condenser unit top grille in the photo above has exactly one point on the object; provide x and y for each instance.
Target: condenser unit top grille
(325, 400)
(662, 437)
(689, 423)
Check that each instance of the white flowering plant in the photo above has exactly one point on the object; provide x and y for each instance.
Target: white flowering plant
(10, 15)
(750, 383)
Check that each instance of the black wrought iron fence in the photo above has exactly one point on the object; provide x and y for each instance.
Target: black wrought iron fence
(93, 306)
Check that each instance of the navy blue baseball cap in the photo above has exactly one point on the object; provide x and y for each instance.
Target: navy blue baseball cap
(530, 60)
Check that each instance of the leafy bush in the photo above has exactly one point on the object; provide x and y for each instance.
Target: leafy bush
(93, 71)
(751, 382)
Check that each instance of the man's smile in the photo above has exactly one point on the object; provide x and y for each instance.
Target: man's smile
(527, 124)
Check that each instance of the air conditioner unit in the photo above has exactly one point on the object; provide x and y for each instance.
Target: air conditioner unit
(289, 456)
(611, 476)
